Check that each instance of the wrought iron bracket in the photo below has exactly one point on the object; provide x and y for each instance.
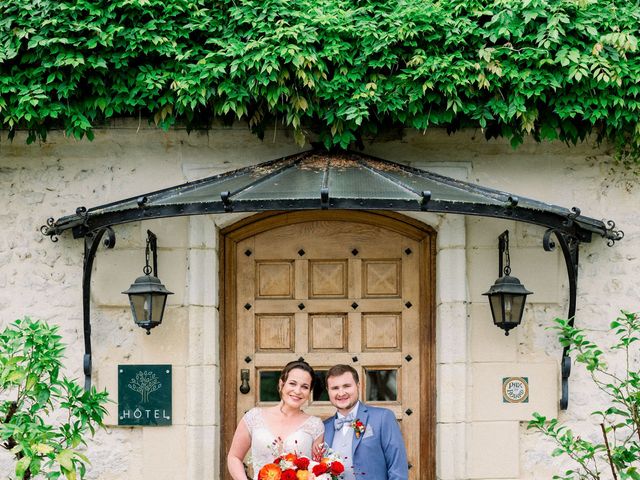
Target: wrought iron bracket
(91, 243)
(570, 247)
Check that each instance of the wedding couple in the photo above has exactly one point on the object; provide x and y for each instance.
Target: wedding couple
(367, 438)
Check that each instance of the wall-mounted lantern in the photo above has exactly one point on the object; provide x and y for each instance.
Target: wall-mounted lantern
(507, 295)
(147, 295)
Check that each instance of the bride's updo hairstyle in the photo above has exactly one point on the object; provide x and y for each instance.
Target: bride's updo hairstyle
(299, 364)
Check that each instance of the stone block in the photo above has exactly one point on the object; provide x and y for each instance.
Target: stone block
(487, 398)
(163, 459)
(488, 342)
(203, 232)
(493, 450)
(483, 232)
(203, 277)
(115, 338)
(451, 332)
(171, 232)
(115, 454)
(452, 232)
(115, 270)
(203, 336)
(203, 452)
(451, 275)
(452, 392)
(451, 451)
(541, 272)
(169, 341)
(203, 387)
(529, 235)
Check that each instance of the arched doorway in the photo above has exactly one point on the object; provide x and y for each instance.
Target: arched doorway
(332, 287)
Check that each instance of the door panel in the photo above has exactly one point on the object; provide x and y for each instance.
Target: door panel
(335, 292)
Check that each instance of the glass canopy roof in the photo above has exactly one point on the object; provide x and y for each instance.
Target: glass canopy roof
(322, 180)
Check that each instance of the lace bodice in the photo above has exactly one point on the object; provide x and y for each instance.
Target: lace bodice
(264, 446)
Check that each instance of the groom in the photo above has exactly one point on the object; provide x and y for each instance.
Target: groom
(367, 438)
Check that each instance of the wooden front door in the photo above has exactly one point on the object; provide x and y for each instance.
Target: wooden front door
(332, 287)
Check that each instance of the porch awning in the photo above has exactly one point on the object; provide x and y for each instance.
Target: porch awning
(320, 180)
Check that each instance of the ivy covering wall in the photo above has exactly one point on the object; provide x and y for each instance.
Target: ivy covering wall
(340, 69)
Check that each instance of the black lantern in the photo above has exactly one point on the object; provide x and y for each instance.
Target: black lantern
(147, 295)
(507, 295)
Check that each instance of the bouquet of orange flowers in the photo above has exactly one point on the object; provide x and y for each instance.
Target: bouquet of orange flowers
(298, 467)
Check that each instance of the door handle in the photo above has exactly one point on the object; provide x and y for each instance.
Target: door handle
(244, 378)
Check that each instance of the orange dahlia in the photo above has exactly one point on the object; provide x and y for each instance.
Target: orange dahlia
(290, 457)
(270, 471)
(302, 474)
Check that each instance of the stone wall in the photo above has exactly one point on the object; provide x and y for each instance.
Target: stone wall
(479, 436)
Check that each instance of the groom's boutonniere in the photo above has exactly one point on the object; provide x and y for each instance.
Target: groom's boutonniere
(358, 427)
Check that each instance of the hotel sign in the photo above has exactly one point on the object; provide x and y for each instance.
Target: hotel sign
(144, 395)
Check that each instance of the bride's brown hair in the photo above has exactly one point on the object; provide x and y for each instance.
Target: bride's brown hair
(300, 364)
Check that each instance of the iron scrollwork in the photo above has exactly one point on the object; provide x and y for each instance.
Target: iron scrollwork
(570, 219)
(612, 235)
(91, 243)
(49, 229)
(110, 239)
(570, 248)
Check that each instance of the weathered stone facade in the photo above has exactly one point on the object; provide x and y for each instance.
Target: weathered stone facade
(478, 437)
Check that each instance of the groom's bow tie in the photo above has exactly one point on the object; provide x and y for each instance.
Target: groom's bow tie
(340, 421)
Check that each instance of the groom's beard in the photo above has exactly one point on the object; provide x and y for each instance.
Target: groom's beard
(349, 406)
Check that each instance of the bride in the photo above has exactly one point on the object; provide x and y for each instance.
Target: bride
(284, 426)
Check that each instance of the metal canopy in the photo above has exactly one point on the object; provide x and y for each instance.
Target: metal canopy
(319, 180)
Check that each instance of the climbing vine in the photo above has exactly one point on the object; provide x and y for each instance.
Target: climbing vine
(341, 70)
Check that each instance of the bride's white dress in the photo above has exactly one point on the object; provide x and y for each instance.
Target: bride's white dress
(265, 446)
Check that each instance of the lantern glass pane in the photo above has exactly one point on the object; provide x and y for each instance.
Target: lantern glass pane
(517, 306)
(157, 307)
(508, 305)
(495, 301)
(138, 304)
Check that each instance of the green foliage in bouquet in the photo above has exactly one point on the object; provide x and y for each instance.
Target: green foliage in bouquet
(45, 417)
(617, 452)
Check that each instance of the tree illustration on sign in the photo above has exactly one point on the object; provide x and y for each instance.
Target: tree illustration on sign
(145, 383)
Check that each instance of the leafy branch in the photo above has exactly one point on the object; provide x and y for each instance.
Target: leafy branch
(619, 423)
(44, 416)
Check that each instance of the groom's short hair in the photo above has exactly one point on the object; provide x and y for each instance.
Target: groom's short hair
(339, 369)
